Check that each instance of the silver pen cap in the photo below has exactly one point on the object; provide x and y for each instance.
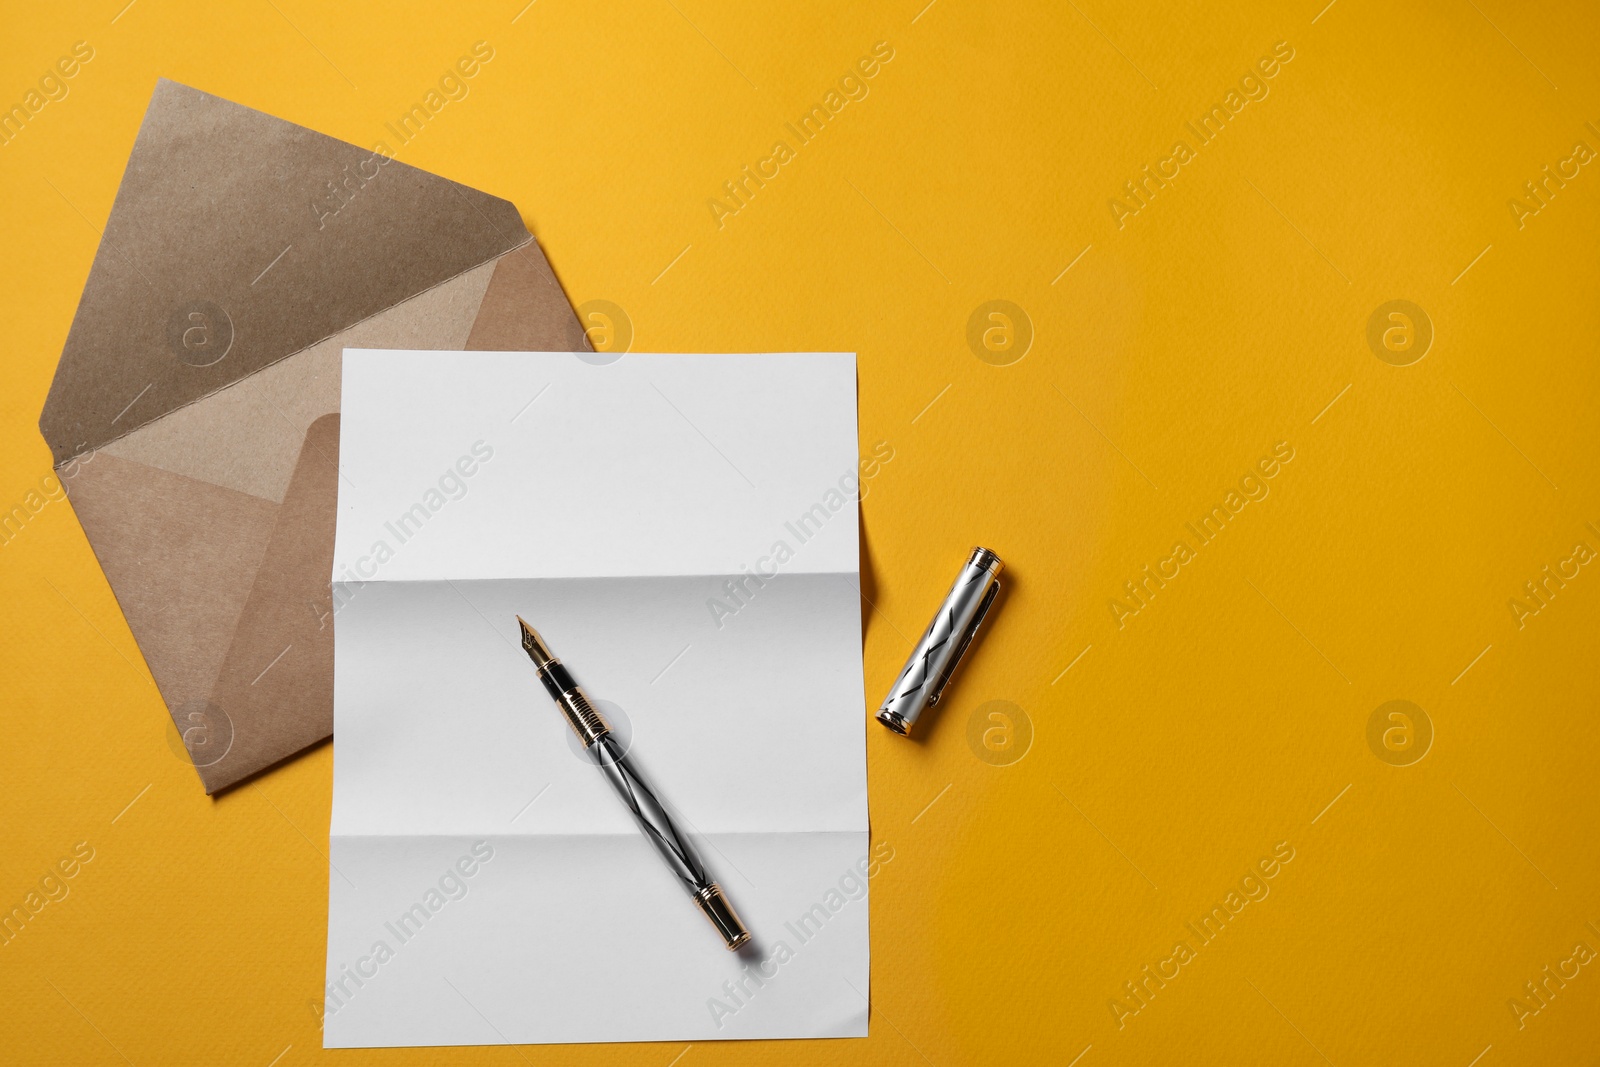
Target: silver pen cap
(933, 661)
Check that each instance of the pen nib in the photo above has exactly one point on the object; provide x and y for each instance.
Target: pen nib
(534, 645)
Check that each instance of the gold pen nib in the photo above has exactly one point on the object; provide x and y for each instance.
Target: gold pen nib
(534, 645)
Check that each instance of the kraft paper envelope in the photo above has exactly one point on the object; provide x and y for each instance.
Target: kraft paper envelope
(486, 885)
(193, 416)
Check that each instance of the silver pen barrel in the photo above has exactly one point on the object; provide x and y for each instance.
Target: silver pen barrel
(635, 792)
(922, 680)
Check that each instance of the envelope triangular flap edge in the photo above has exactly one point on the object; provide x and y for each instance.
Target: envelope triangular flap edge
(237, 240)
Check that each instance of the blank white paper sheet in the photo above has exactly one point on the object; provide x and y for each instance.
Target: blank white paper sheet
(683, 530)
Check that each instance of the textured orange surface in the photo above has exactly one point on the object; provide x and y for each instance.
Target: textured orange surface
(1075, 373)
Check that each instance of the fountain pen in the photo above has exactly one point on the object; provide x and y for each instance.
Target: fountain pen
(640, 799)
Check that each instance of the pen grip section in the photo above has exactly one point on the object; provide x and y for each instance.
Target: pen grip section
(557, 679)
(584, 718)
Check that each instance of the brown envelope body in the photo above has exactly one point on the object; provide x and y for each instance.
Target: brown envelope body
(193, 415)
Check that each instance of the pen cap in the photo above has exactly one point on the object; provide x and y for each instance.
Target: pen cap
(934, 659)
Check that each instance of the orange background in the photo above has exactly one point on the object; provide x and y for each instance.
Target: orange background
(1145, 764)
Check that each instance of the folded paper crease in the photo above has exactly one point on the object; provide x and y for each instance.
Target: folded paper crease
(471, 836)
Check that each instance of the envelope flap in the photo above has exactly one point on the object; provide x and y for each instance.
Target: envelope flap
(237, 239)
